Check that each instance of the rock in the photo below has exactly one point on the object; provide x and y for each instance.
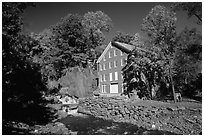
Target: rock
(61, 114)
(181, 108)
(126, 110)
(141, 113)
(109, 107)
(56, 128)
(153, 127)
(171, 108)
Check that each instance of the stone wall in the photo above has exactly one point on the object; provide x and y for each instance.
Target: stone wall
(146, 114)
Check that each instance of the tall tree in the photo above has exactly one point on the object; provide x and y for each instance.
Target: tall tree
(72, 42)
(142, 73)
(22, 85)
(192, 9)
(95, 24)
(160, 26)
(188, 61)
(123, 37)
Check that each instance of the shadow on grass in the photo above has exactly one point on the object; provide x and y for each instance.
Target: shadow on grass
(90, 125)
(16, 116)
(23, 102)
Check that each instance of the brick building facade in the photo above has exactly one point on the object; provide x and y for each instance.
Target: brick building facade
(109, 66)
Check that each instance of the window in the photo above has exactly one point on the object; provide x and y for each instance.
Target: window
(104, 58)
(115, 52)
(109, 65)
(116, 75)
(104, 66)
(121, 76)
(121, 61)
(101, 78)
(100, 67)
(103, 88)
(121, 53)
(109, 54)
(111, 78)
(104, 77)
(115, 63)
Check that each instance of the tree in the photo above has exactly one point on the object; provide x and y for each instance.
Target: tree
(72, 42)
(188, 61)
(192, 9)
(123, 37)
(22, 85)
(95, 24)
(142, 73)
(160, 26)
(137, 40)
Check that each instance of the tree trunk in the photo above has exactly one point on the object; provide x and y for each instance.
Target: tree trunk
(172, 83)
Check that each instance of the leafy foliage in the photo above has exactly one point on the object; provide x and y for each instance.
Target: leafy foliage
(21, 78)
(95, 24)
(188, 61)
(142, 74)
(72, 42)
(192, 9)
(160, 26)
(155, 64)
(123, 37)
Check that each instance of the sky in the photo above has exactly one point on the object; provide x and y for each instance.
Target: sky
(126, 17)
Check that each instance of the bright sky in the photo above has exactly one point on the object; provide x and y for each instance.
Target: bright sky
(126, 16)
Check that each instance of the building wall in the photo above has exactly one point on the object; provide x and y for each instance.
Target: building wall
(112, 57)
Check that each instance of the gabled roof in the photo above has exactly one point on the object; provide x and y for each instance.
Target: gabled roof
(127, 48)
(121, 46)
(104, 52)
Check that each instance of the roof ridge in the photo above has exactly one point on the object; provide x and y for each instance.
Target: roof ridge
(127, 48)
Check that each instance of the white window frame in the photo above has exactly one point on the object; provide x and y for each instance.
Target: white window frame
(121, 62)
(100, 66)
(115, 63)
(111, 77)
(101, 78)
(109, 54)
(103, 88)
(104, 58)
(104, 77)
(104, 66)
(114, 53)
(121, 53)
(116, 75)
(109, 65)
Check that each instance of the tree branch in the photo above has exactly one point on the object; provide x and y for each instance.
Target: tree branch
(199, 18)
